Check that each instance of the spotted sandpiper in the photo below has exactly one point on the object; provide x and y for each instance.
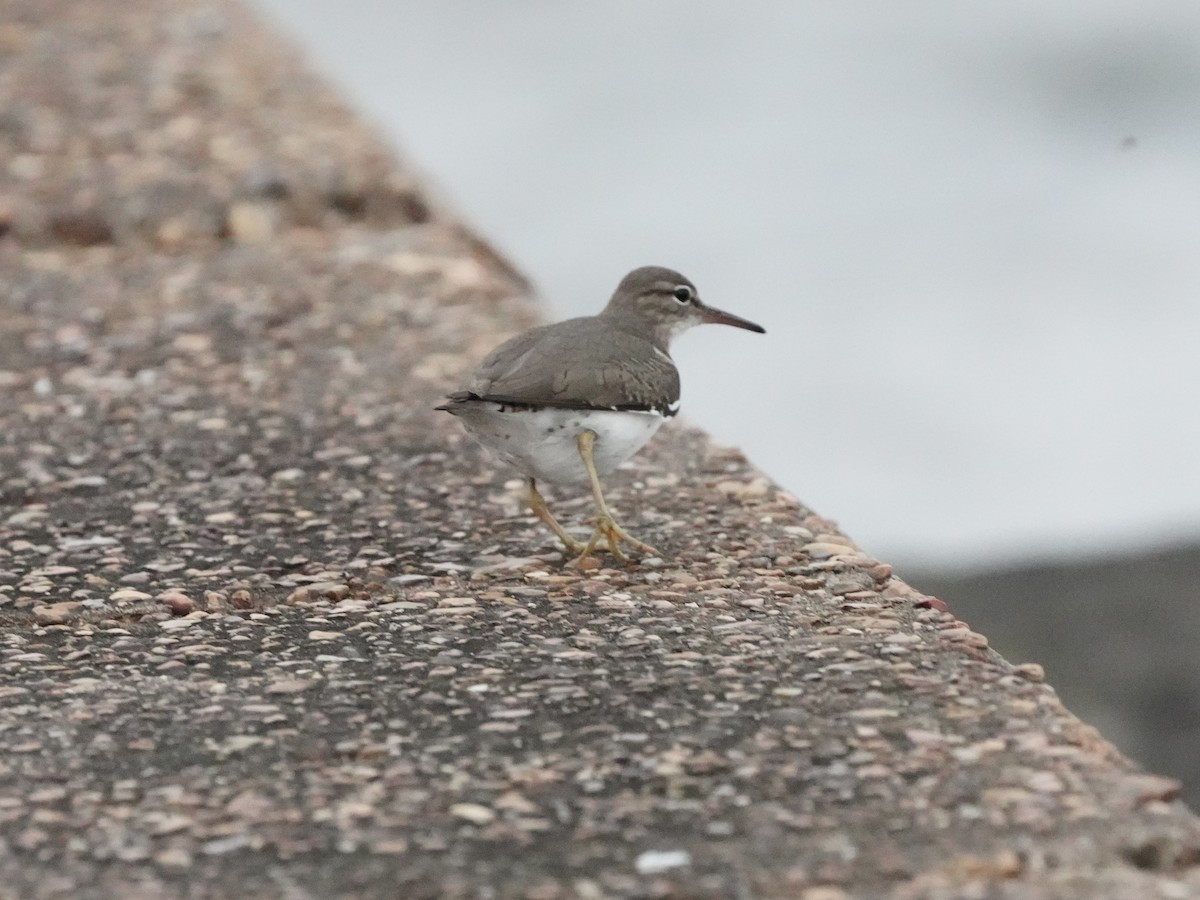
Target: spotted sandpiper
(574, 400)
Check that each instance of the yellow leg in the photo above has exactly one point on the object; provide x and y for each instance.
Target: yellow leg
(606, 526)
(538, 505)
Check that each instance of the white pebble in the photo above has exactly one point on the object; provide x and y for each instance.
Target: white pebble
(655, 862)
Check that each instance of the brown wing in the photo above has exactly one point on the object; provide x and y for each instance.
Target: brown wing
(582, 363)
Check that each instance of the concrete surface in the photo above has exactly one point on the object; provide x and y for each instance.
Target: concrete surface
(272, 628)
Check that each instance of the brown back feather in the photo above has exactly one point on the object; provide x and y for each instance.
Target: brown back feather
(595, 366)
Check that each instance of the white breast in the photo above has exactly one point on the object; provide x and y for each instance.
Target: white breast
(542, 443)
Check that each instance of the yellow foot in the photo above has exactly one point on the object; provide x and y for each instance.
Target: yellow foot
(613, 535)
(571, 547)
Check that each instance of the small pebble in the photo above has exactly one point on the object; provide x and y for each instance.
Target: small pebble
(179, 603)
(473, 813)
(655, 862)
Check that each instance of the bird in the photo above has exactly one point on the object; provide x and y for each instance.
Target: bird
(569, 402)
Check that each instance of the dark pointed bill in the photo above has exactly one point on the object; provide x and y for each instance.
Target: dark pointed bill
(720, 317)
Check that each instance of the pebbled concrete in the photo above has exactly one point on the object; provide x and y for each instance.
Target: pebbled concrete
(272, 628)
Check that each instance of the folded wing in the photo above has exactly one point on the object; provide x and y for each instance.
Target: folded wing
(588, 365)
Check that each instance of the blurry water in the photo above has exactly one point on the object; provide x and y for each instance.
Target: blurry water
(971, 230)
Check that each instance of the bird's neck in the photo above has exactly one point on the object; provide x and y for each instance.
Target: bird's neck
(656, 332)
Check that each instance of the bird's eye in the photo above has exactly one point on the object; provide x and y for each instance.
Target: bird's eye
(683, 293)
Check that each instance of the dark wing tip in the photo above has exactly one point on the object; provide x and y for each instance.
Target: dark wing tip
(458, 397)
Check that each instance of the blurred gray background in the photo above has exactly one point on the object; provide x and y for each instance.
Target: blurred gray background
(971, 230)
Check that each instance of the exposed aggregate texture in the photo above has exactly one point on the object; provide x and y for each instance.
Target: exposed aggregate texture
(273, 628)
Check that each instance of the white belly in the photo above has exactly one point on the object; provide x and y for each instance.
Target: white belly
(542, 443)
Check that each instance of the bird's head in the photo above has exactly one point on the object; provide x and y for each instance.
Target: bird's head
(663, 304)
